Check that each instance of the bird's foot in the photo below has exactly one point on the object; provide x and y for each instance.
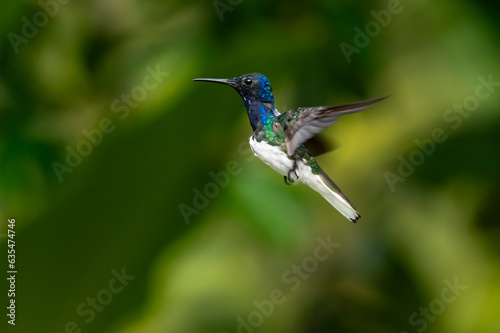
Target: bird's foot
(293, 170)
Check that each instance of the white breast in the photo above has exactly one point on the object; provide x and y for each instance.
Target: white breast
(272, 156)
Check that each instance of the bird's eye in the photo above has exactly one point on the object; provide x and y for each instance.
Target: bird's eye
(247, 81)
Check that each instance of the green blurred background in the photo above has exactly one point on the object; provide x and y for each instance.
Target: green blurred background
(66, 69)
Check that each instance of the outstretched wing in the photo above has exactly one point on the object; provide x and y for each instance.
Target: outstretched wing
(303, 123)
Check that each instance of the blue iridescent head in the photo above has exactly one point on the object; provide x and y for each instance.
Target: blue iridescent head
(257, 95)
(255, 86)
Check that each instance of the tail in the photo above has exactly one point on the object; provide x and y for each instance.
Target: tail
(322, 184)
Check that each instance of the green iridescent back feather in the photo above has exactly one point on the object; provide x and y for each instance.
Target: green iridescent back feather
(273, 132)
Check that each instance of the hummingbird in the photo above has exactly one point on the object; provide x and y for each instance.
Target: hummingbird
(280, 139)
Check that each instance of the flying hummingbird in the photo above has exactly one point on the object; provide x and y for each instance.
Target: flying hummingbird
(278, 139)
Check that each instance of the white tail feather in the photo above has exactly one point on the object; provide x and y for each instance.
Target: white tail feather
(322, 184)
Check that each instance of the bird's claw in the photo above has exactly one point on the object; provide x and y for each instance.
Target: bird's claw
(289, 178)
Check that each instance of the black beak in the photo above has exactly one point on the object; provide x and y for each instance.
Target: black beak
(230, 82)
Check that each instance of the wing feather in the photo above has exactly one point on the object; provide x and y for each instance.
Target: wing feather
(303, 123)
